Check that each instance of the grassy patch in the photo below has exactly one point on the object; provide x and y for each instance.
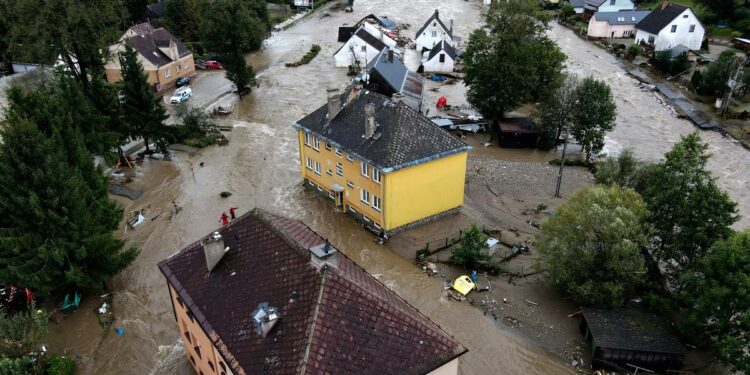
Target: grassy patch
(715, 31)
(307, 58)
(573, 163)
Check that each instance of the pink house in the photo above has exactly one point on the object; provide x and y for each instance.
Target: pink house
(615, 24)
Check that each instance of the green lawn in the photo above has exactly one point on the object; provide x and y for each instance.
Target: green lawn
(655, 3)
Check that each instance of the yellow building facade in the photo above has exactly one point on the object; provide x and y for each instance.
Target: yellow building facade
(387, 199)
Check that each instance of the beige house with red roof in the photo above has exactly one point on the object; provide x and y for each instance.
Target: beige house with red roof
(164, 58)
(267, 295)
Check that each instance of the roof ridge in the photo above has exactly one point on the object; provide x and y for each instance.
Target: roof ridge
(313, 324)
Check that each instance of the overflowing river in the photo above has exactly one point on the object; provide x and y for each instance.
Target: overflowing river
(260, 168)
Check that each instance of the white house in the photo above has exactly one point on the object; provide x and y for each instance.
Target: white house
(440, 59)
(433, 32)
(362, 47)
(670, 25)
(615, 24)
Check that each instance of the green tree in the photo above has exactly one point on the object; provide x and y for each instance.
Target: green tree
(722, 8)
(592, 246)
(716, 298)
(183, 18)
(21, 332)
(239, 72)
(234, 26)
(557, 109)
(624, 170)
(689, 212)
(715, 77)
(5, 38)
(55, 217)
(567, 10)
(468, 252)
(18, 366)
(510, 60)
(136, 10)
(595, 115)
(143, 116)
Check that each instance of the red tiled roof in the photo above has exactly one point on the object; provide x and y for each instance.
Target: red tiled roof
(342, 320)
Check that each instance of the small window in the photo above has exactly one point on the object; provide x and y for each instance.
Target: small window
(328, 146)
(375, 175)
(692, 28)
(364, 48)
(187, 336)
(186, 65)
(339, 169)
(211, 365)
(684, 16)
(632, 19)
(352, 209)
(177, 68)
(309, 163)
(442, 57)
(338, 152)
(197, 349)
(167, 73)
(376, 225)
(192, 360)
(434, 24)
(366, 219)
(311, 183)
(350, 184)
(320, 188)
(364, 196)
(674, 28)
(434, 34)
(190, 315)
(307, 139)
(329, 172)
(363, 169)
(317, 168)
(349, 157)
(316, 143)
(376, 203)
(223, 366)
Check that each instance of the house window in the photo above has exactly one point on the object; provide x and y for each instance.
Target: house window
(363, 169)
(366, 219)
(434, 34)
(328, 146)
(684, 16)
(339, 169)
(364, 48)
(376, 225)
(186, 65)
(211, 365)
(198, 350)
(167, 73)
(187, 336)
(674, 28)
(307, 139)
(330, 195)
(692, 28)
(621, 18)
(364, 196)
(223, 366)
(376, 202)
(376, 175)
(350, 184)
(311, 183)
(329, 172)
(612, 2)
(442, 57)
(338, 152)
(651, 39)
(349, 157)
(320, 188)
(316, 143)
(177, 68)
(317, 168)
(309, 163)
(192, 360)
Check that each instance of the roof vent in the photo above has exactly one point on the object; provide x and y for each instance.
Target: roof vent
(265, 318)
(214, 250)
(324, 254)
(397, 98)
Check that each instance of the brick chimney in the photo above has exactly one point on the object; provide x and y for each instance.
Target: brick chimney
(369, 120)
(334, 103)
(397, 97)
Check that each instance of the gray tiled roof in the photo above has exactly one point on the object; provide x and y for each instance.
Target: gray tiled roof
(631, 330)
(397, 75)
(406, 138)
(629, 17)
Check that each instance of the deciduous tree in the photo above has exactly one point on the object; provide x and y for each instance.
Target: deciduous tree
(624, 170)
(689, 212)
(595, 115)
(557, 109)
(469, 251)
(592, 246)
(234, 26)
(716, 299)
(239, 72)
(183, 18)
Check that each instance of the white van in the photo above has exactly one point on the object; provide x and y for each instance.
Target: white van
(180, 95)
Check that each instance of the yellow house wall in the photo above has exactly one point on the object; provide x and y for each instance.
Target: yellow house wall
(424, 190)
(352, 172)
(174, 72)
(196, 337)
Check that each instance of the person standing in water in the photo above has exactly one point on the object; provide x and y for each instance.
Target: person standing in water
(224, 218)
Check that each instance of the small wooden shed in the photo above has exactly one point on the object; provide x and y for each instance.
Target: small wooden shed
(626, 338)
(518, 132)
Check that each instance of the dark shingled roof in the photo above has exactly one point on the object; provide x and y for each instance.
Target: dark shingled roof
(148, 41)
(157, 9)
(631, 330)
(435, 17)
(346, 32)
(369, 38)
(443, 45)
(341, 321)
(660, 18)
(406, 138)
(398, 76)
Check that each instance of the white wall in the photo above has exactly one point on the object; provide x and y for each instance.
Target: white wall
(435, 66)
(344, 57)
(426, 40)
(617, 6)
(666, 39)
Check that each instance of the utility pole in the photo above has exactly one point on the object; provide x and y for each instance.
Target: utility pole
(562, 164)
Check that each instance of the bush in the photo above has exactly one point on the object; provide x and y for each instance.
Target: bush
(197, 130)
(634, 50)
(468, 252)
(567, 11)
(61, 366)
(307, 58)
(17, 366)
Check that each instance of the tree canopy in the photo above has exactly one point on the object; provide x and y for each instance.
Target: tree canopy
(234, 25)
(717, 299)
(689, 212)
(510, 60)
(468, 253)
(624, 170)
(557, 109)
(183, 18)
(595, 115)
(21, 332)
(592, 246)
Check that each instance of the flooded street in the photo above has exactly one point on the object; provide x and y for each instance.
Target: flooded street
(260, 167)
(649, 128)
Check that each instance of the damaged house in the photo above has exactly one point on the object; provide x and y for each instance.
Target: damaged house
(386, 75)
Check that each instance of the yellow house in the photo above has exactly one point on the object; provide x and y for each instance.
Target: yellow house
(164, 58)
(381, 161)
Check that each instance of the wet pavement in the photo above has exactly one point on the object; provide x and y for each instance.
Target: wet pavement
(260, 167)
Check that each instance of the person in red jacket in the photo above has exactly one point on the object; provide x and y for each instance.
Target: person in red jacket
(224, 218)
(231, 212)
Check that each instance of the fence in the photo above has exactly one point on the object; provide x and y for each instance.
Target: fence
(434, 246)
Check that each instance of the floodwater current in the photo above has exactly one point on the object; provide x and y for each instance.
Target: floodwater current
(260, 167)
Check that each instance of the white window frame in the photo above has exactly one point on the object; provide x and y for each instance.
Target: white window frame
(350, 184)
(364, 169)
(316, 144)
(376, 175)
(349, 157)
(339, 169)
(376, 203)
(317, 168)
(311, 183)
(307, 139)
(329, 172)
(364, 196)
(328, 146)
(330, 195)
(320, 188)
(309, 163)
(338, 152)
(167, 73)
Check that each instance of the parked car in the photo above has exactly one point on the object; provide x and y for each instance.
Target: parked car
(180, 95)
(182, 81)
(213, 64)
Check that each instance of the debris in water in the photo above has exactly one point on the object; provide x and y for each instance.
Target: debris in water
(120, 331)
(531, 303)
(225, 194)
